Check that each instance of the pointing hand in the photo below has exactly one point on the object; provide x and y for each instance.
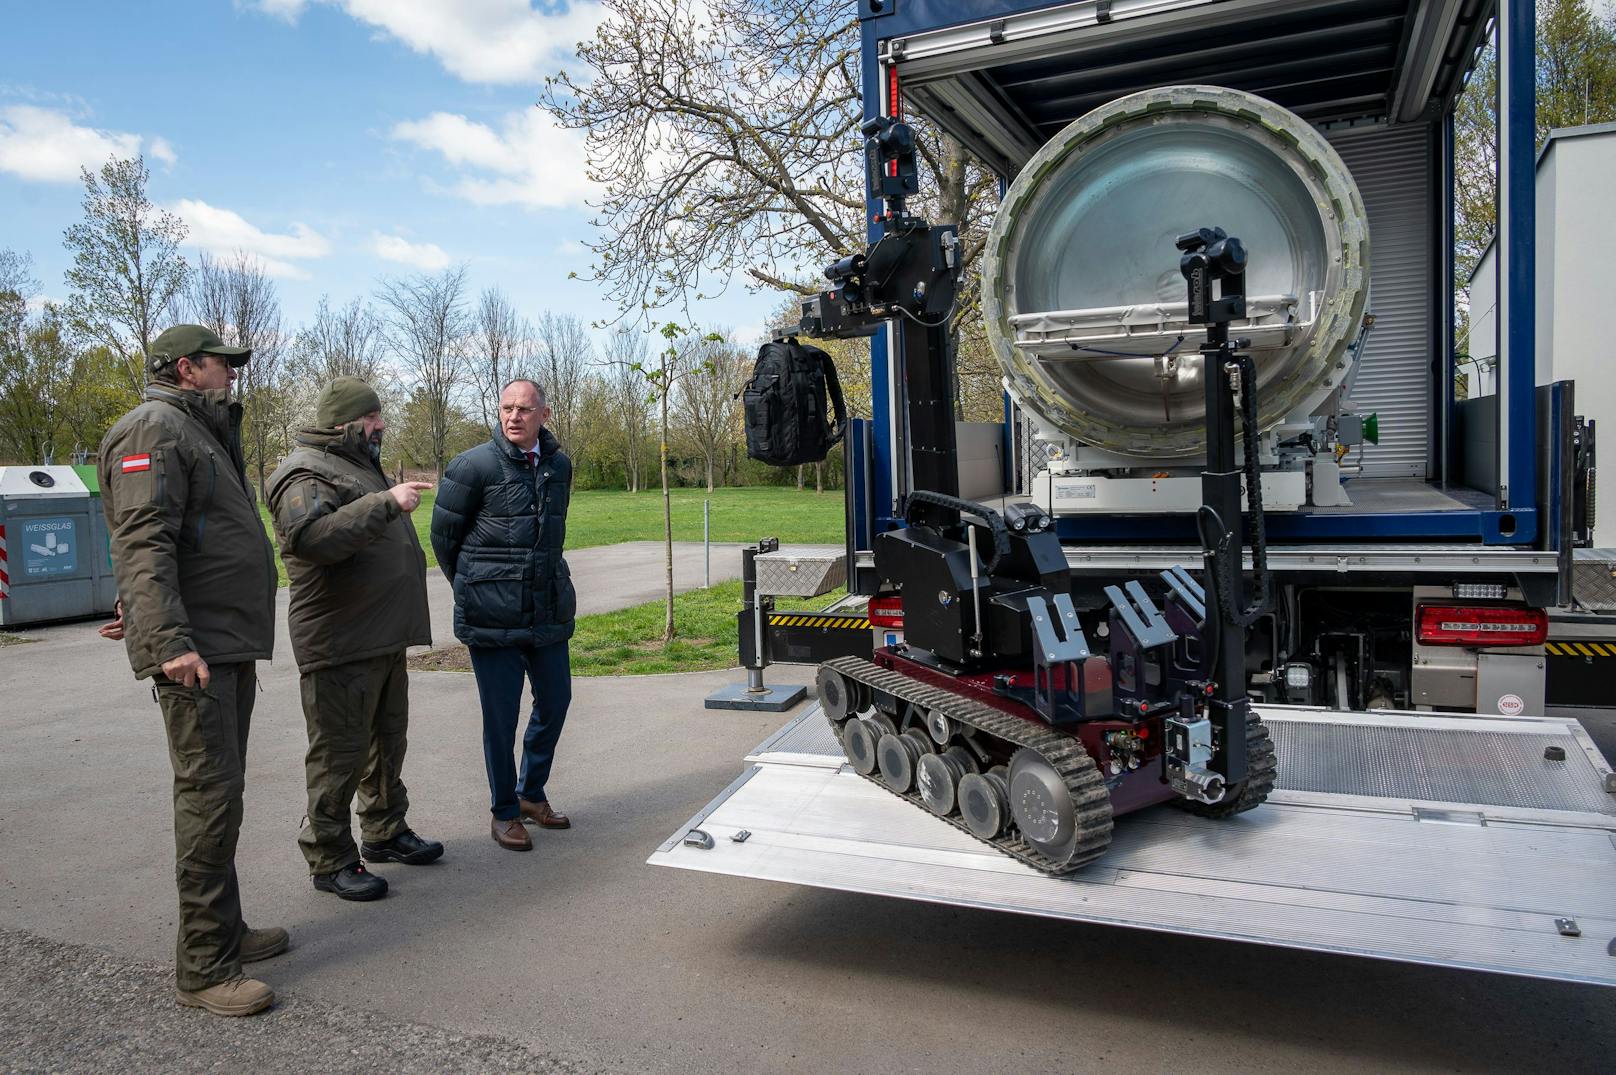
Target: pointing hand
(408, 494)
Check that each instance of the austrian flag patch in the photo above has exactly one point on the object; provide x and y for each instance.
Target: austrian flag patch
(133, 464)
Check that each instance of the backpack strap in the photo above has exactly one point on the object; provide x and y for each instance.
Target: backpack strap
(834, 383)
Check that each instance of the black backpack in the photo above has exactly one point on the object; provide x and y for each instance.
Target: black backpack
(787, 423)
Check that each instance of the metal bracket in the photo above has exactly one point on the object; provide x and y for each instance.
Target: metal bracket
(1058, 640)
(1189, 592)
(1140, 615)
(741, 836)
(1568, 927)
(699, 838)
(1102, 12)
(996, 32)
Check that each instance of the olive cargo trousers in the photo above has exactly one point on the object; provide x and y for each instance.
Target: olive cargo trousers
(357, 716)
(207, 744)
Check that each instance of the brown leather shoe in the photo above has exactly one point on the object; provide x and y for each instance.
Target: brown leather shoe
(511, 835)
(237, 996)
(542, 815)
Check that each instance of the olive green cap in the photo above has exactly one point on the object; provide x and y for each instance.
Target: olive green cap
(344, 400)
(182, 341)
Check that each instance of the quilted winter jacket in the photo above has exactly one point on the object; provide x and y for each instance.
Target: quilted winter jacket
(498, 528)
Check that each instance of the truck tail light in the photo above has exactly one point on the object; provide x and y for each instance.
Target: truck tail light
(1467, 625)
(887, 612)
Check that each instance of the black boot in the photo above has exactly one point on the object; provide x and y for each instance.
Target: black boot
(352, 882)
(407, 848)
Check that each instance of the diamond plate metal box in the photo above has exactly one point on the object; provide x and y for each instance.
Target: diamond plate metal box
(1593, 579)
(791, 574)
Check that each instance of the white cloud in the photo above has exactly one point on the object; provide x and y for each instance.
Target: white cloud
(162, 150)
(504, 41)
(571, 247)
(427, 256)
(501, 41)
(529, 161)
(288, 10)
(47, 146)
(224, 231)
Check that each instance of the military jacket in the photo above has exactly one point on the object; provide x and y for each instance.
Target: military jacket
(357, 570)
(195, 568)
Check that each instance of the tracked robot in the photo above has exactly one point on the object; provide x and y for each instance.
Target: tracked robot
(996, 712)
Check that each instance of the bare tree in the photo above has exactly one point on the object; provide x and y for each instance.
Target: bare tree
(236, 299)
(341, 342)
(127, 268)
(732, 144)
(427, 328)
(631, 403)
(563, 351)
(706, 410)
(499, 347)
(18, 287)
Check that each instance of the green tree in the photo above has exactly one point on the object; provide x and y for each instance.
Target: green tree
(680, 359)
(127, 269)
(97, 398)
(36, 388)
(1576, 84)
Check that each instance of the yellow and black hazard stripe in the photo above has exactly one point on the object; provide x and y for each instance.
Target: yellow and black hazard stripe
(805, 619)
(1581, 649)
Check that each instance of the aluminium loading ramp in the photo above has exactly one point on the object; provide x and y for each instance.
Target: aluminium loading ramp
(1443, 840)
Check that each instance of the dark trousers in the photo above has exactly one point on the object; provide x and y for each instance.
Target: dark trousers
(207, 744)
(358, 718)
(500, 671)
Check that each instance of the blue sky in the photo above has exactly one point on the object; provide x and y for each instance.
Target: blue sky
(337, 140)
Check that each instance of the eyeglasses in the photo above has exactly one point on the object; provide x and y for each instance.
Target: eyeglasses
(509, 409)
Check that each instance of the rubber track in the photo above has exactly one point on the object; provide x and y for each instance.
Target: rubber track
(1066, 754)
(1262, 767)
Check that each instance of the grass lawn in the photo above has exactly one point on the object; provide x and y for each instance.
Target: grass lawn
(607, 517)
(629, 642)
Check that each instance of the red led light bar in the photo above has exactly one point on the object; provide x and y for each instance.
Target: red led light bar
(887, 612)
(1466, 625)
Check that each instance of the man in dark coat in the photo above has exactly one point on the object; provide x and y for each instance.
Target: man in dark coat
(358, 600)
(498, 528)
(196, 599)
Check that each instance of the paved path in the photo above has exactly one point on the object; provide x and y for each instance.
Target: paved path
(578, 956)
(607, 577)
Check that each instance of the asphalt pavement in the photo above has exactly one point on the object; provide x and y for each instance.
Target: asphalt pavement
(579, 957)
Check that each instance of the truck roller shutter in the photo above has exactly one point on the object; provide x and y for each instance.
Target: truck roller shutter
(1392, 167)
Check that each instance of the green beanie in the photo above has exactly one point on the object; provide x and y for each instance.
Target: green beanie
(344, 400)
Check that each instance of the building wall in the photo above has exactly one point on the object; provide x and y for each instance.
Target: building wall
(1576, 298)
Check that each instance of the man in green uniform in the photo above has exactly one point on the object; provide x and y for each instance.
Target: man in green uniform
(196, 583)
(358, 600)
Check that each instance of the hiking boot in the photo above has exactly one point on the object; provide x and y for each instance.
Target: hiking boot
(352, 882)
(257, 944)
(240, 995)
(406, 847)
